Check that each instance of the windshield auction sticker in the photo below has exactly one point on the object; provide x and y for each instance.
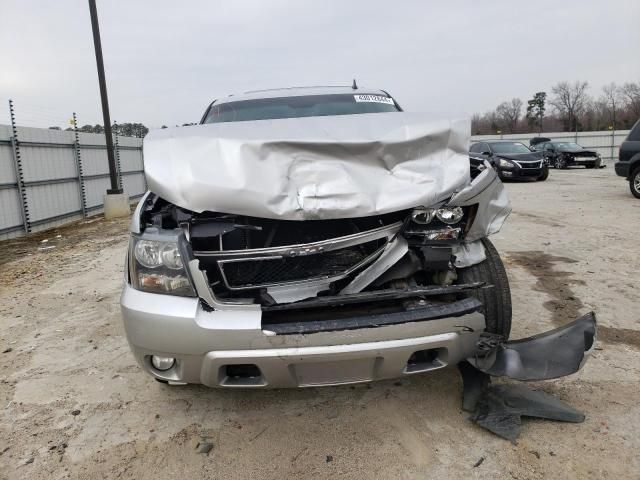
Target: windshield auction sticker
(373, 98)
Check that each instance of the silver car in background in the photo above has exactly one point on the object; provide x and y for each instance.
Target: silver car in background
(312, 236)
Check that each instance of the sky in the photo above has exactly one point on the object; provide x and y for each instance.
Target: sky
(166, 61)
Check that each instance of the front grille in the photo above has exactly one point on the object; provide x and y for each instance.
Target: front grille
(530, 165)
(262, 271)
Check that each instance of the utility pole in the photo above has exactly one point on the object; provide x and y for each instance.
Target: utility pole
(103, 97)
(114, 200)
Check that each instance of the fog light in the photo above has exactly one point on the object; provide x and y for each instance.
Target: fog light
(162, 363)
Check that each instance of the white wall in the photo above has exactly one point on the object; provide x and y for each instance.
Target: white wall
(53, 191)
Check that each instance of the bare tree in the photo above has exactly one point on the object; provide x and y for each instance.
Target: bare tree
(611, 98)
(477, 127)
(570, 100)
(509, 114)
(630, 93)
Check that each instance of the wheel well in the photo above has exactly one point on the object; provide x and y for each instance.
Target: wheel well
(634, 164)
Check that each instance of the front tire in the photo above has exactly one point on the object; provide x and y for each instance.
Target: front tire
(634, 183)
(544, 175)
(497, 300)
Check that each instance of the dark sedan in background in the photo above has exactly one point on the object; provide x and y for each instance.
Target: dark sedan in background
(512, 160)
(562, 154)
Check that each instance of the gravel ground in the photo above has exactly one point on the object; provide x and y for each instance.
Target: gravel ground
(75, 404)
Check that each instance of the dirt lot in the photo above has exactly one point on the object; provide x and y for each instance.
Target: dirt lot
(75, 405)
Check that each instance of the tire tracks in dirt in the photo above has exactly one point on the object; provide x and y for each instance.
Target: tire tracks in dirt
(564, 305)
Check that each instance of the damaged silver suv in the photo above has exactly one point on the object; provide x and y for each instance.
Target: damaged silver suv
(312, 236)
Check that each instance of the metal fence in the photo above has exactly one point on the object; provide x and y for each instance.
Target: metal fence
(606, 142)
(51, 177)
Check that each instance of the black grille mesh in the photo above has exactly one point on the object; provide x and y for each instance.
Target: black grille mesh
(250, 273)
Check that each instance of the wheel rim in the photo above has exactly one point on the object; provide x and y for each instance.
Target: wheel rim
(636, 182)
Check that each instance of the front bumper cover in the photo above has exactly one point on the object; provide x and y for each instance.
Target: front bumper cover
(553, 354)
(556, 353)
(205, 342)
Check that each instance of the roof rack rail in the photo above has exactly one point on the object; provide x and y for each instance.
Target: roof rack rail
(290, 88)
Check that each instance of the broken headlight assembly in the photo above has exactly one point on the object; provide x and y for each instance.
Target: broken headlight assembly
(156, 266)
(448, 217)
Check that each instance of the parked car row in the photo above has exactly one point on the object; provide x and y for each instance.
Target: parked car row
(562, 154)
(511, 160)
(514, 160)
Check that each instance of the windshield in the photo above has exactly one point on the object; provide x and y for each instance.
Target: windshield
(567, 146)
(509, 147)
(299, 106)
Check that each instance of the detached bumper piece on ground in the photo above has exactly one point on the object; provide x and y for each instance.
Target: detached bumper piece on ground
(553, 354)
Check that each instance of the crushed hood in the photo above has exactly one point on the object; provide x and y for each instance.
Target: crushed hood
(310, 168)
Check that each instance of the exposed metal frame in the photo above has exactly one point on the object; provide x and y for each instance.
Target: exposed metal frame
(204, 292)
(304, 282)
(274, 253)
(308, 248)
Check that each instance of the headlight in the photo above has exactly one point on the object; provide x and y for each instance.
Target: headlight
(422, 216)
(147, 253)
(449, 215)
(156, 266)
(505, 163)
(171, 257)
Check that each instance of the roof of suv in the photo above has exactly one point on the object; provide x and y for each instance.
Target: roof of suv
(301, 91)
